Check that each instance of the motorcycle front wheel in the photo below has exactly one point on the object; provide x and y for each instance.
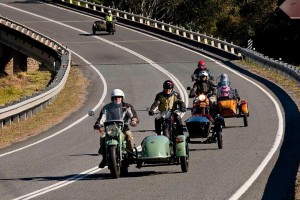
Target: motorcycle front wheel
(184, 160)
(114, 165)
(219, 139)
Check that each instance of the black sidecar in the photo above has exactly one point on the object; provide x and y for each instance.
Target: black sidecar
(204, 126)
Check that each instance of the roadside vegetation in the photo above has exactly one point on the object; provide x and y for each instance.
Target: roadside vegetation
(273, 33)
(16, 86)
(237, 21)
(73, 93)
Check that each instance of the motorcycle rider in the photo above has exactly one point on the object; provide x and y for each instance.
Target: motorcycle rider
(207, 87)
(109, 19)
(224, 80)
(203, 85)
(168, 99)
(222, 88)
(201, 67)
(129, 113)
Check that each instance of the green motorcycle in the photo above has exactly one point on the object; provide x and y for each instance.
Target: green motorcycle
(156, 150)
(115, 143)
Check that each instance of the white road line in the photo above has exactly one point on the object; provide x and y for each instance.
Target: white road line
(280, 131)
(59, 184)
(74, 123)
(177, 82)
(93, 170)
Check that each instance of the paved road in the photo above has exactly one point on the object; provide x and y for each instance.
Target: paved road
(138, 64)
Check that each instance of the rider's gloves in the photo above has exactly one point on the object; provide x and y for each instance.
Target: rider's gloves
(182, 109)
(97, 126)
(133, 121)
(151, 112)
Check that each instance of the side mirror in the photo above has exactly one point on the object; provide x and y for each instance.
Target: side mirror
(91, 113)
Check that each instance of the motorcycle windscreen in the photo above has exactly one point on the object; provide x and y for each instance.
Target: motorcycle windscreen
(113, 112)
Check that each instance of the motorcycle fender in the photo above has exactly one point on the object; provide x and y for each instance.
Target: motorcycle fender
(244, 107)
(181, 145)
(219, 121)
(112, 142)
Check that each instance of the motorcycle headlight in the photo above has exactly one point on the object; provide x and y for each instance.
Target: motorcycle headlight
(111, 130)
(212, 98)
(166, 114)
(202, 97)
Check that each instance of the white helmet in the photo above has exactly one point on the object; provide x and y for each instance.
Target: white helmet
(109, 12)
(203, 73)
(117, 93)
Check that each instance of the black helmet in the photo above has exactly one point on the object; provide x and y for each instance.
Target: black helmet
(168, 84)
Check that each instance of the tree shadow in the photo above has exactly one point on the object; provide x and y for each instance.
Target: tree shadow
(281, 182)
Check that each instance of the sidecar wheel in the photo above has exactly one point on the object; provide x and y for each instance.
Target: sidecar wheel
(219, 139)
(114, 166)
(245, 120)
(184, 160)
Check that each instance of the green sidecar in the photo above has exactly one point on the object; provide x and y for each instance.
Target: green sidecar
(159, 150)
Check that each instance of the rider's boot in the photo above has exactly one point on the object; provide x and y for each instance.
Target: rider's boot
(157, 127)
(102, 144)
(102, 151)
(102, 164)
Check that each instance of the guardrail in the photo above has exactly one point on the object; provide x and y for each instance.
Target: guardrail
(27, 106)
(187, 36)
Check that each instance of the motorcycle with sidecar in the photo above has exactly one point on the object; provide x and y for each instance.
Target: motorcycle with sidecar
(229, 104)
(108, 27)
(204, 123)
(167, 148)
(232, 107)
(155, 150)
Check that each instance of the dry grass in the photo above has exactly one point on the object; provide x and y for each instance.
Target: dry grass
(73, 93)
(287, 84)
(22, 84)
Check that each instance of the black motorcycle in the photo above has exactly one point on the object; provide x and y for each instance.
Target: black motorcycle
(108, 27)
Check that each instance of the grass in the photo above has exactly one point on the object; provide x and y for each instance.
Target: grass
(73, 93)
(13, 87)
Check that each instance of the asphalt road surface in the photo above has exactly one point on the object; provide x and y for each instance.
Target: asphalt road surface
(64, 164)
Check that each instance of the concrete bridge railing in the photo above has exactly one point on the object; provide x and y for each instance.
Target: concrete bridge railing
(45, 50)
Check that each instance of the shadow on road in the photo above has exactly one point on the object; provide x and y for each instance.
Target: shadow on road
(281, 182)
(84, 177)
